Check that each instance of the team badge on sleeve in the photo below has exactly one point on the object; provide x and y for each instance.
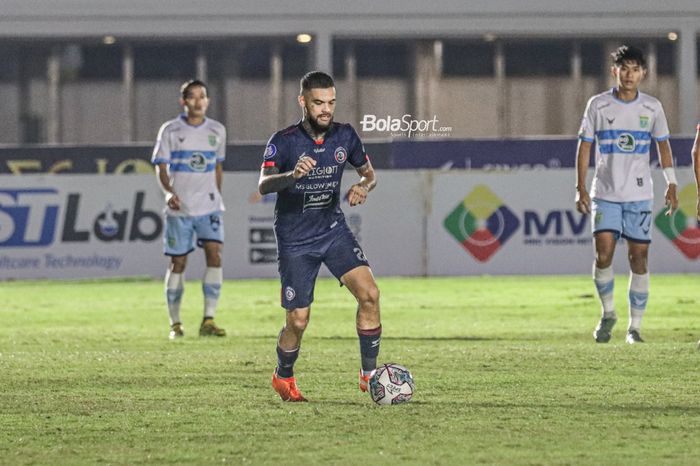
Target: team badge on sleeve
(341, 154)
(270, 151)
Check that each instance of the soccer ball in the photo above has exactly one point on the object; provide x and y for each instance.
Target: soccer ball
(391, 384)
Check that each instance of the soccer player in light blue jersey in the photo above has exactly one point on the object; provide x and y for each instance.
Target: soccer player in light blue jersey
(188, 157)
(623, 122)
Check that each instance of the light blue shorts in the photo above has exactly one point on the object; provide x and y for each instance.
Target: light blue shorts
(178, 238)
(631, 220)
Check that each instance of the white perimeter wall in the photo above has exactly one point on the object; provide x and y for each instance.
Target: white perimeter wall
(401, 227)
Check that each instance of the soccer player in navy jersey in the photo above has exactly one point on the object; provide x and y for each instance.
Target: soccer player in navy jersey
(304, 165)
(188, 157)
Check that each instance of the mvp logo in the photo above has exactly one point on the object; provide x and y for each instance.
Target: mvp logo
(682, 228)
(481, 223)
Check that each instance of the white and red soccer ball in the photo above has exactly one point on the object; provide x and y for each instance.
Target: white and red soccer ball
(391, 384)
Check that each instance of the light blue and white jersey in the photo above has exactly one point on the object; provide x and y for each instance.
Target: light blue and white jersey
(191, 153)
(623, 133)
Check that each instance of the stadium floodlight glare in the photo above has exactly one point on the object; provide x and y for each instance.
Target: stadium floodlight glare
(109, 40)
(304, 38)
(672, 36)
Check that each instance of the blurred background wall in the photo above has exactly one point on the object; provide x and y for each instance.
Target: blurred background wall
(108, 72)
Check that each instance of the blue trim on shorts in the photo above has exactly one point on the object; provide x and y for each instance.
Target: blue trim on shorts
(635, 240)
(178, 255)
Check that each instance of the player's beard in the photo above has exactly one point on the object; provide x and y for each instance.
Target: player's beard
(316, 126)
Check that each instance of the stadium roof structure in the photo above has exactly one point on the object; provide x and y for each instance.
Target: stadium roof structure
(329, 19)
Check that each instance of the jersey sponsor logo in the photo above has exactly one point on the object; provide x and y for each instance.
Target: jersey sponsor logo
(318, 150)
(626, 142)
(289, 293)
(322, 171)
(610, 120)
(644, 122)
(341, 155)
(213, 140)
(317, 200)
(198, 162)
(270, 151)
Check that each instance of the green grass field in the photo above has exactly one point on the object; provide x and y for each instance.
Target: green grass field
(506, 372)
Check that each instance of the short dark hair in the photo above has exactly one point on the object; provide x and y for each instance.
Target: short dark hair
(315, 80)
(187, 85)
(628, 53)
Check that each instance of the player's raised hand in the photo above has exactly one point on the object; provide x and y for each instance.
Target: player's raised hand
(583, 201)
(173, 201)
(304, 165)
(671, 199)
(357, 194)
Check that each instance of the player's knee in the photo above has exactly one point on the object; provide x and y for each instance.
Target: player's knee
(603, 259)
(369, 296)
(178, 263)
(638, 263)
(298, 322)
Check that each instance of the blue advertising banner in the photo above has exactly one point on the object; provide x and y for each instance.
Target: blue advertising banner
(486, 154)
(504, 154)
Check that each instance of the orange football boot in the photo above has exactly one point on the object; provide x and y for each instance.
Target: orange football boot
(287, 388)
(364, 381)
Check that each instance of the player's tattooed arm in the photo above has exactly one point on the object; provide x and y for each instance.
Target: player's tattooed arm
(358, 192)
(272, 181)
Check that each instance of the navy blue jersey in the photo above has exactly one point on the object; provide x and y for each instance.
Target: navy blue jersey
(310, 208)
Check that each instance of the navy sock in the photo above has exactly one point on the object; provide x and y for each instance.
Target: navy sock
(369, 347)
(285, 362)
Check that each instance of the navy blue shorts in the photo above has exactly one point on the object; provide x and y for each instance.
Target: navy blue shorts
(299, 268)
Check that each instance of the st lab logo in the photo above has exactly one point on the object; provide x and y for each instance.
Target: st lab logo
(682, 228)
(31, 218)
(482, 224)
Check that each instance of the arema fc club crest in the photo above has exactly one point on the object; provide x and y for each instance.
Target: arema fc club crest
(341, 154)
(289, 293)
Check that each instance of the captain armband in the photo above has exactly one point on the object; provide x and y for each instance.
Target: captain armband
(670, 176)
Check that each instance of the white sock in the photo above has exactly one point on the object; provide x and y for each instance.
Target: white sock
(604, 280)
(211, 287)
(638, 296)
(174, 287)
